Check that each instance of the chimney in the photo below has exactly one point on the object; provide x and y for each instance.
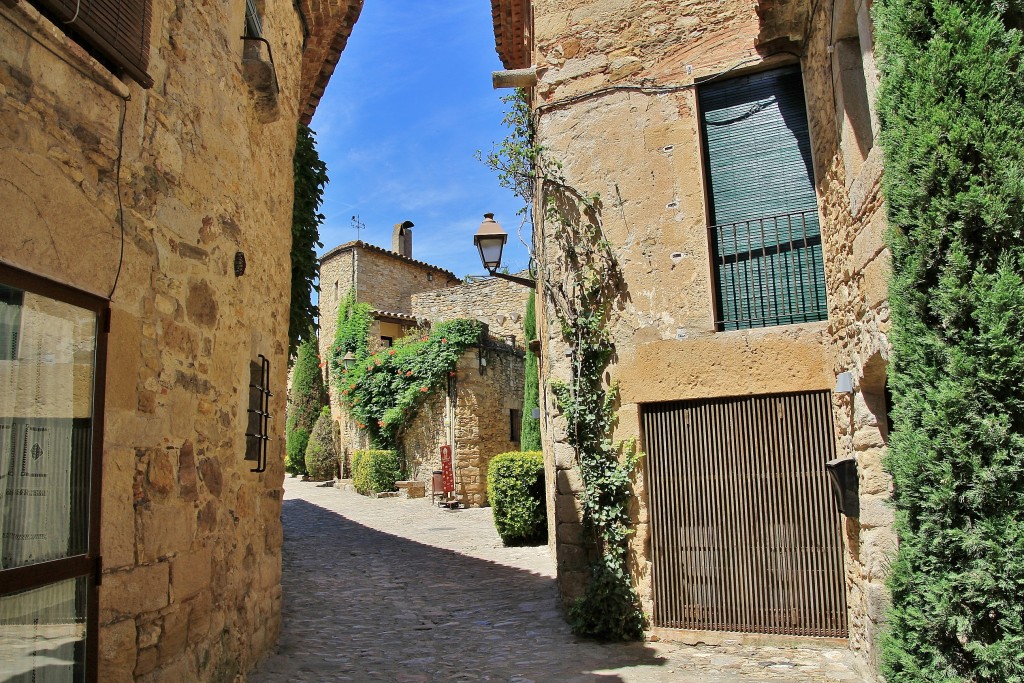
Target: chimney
(401, 239)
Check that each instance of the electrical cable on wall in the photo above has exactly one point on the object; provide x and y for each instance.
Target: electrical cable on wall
(120, 129)
(659, 89)
(117, 185)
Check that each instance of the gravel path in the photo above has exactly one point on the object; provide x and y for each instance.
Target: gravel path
(399, 590)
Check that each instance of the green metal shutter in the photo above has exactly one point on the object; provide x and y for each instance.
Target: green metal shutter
(765, 236)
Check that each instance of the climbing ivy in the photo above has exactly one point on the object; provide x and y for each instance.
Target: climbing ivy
(310, 179)
(383, 391)
(582, 281)
(351, 335)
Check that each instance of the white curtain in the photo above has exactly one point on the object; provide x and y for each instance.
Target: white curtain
(45, 382)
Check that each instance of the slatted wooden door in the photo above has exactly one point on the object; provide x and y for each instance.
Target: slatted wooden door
(745, 534)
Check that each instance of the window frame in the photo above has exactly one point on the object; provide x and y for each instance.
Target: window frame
(95, 36)
(704, 157)
(89, 564)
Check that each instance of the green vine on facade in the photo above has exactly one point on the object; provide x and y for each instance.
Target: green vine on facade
(385, 388)
(583, 281)
(310, 181)
(951, 104)
(351, 335)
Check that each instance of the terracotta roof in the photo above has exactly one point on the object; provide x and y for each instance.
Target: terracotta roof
(327, 24)
(395, 316)
(512, 29)
(348, 246)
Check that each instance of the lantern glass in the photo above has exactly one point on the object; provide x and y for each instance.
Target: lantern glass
(490, 248)
(490, 240)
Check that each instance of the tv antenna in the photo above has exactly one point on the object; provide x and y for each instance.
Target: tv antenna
(358, 225)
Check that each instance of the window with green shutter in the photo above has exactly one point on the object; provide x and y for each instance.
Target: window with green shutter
(764, 233)
(115, 31)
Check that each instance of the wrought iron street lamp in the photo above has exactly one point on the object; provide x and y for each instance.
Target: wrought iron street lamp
(348, 361)
(490, 241)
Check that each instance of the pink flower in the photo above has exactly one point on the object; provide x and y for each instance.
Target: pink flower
(391, 352)
(451, 374)
(424, 389)
(408, 373)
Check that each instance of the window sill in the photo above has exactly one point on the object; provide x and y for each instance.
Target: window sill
(29, 21)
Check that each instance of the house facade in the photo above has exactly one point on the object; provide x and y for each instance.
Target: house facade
(478, 412)
(733, 147)
(146, 179)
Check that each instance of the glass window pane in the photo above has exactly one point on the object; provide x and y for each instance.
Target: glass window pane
(42, 634)
(46, 386)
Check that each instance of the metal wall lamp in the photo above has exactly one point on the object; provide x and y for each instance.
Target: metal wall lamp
(490, 241)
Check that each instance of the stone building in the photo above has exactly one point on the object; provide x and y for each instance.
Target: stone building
(478, 414)
(734, 146)
(386, 279)
(146, 180)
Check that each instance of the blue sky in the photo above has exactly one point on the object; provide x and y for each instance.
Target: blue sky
(406, 109)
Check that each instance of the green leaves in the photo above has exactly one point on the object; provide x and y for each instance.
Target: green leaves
(529, 437)
(951, 104)
(375, 471)
(385, 388)
(306, 399)
(515, 491)
(310, 180)
(582, 279)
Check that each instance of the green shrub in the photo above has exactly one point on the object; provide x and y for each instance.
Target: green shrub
(515, 490)
(529, 436)
(951, 104)
(305, 400)
(321, 454)
(375, 471)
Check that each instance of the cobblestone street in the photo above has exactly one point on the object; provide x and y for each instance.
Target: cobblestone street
(399, 590)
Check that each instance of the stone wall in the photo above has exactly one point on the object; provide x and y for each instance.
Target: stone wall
(858, 267)
(472, 416)
(190, 538)
(499, 303)
(642, 147)
(381, 278)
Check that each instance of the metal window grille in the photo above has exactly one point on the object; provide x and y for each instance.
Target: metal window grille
(769, 271)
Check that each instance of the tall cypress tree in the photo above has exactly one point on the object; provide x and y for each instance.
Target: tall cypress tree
(530, 432)
(305, 399)
(951, 105)
(310, 175)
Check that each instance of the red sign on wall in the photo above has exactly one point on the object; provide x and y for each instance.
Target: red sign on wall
(447, 475)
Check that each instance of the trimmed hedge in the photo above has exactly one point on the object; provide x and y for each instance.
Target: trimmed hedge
(375, 471)
(951, 105)
(305, 400)
(321, 454)
(515, 490)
